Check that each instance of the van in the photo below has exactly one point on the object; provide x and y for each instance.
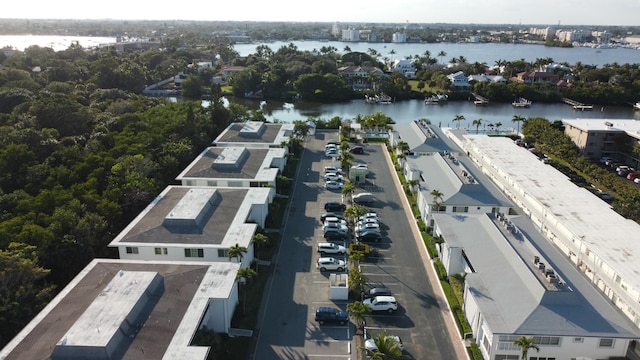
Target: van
(363, 198)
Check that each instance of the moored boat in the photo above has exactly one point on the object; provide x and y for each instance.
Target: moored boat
(378, 99)
(636, 106)
(431, 100)
(521, 102)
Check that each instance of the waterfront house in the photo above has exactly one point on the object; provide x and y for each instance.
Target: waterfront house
(459, 81)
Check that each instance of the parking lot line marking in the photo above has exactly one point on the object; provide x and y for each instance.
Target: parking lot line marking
(387, 328)
(332, 356)
(330, 302)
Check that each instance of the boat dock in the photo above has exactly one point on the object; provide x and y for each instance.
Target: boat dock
(480, 100)
(577, 105)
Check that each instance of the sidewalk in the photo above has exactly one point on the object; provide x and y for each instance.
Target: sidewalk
(452, 328)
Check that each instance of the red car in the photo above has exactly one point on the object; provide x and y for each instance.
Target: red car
(357, 150)
(633, 175)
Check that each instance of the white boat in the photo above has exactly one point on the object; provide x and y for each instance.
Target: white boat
(431, 100)
(521, 103)
(636, 106)
(378, 99)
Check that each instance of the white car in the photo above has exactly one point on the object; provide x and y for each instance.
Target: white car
(338, 227)
(366, 220)
(361, 166)
(367, 226)
(332, 169)
(370, 344)
(334, 220)
(370, 215)
(333, 177)
(331, 248)
(333, 185)
(329, 263)
(382, 303)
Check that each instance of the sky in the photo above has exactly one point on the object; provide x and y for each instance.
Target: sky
(540, 12)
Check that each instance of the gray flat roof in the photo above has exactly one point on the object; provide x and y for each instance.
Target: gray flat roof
(196, 215)
(443, 174)
(233, 163)
(91, 305)
(255, 132)
(583, 214)
(513, 299)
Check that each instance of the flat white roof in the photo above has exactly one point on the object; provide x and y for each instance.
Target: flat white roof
(630, 126)
(612, 237)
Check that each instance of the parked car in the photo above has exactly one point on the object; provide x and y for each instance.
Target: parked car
(369, 215)
(367, 226)
(334, 220)
(364, 198)
(332, 169)
(331, 248)
(382, 303)
(333, 142)
(326, 215)
(357, 150)
(633, 175)
(370, 344)
(333, 185)
(333, 177)
(331, 315)
(369, 236)
(378, 291)
(334, 234)
(360, 166)
(637, 180)
(329, 263)
(367, 220)
(334, 206)
(335, 226)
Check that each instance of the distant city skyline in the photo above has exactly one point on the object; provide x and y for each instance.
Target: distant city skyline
(542, 12)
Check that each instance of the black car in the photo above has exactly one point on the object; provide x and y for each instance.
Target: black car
(333, 206)
(332, 234)
(331, 214)
(327, 314)
(369, 236)
(378, 291)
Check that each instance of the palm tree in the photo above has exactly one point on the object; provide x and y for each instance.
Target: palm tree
(358, 311)
(437, 199)
(403, 147)
(498, 124)
(236, 251)
(412, 184)
(243, 276)
(477, 123)
(387, 347)
(348, 189)
(356, 257)
(260, 240)
(517, 119)
(441, 55)
(526, 343)
(354, 212)
(458, 118)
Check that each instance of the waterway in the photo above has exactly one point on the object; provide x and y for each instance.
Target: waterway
(472, 52)
(403, 112)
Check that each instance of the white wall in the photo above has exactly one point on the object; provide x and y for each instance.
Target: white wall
(176, 253)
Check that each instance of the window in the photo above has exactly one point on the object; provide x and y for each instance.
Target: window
(161, 251)
(606, 343)
(547, 340)
(462, 209)
(578, 340)
(132, 250)
(223, 253)
(194, 253)
(507, 357)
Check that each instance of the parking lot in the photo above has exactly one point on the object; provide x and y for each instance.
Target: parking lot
(287, 329)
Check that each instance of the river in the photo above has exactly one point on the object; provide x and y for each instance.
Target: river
(403, 112)
(473, 52)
